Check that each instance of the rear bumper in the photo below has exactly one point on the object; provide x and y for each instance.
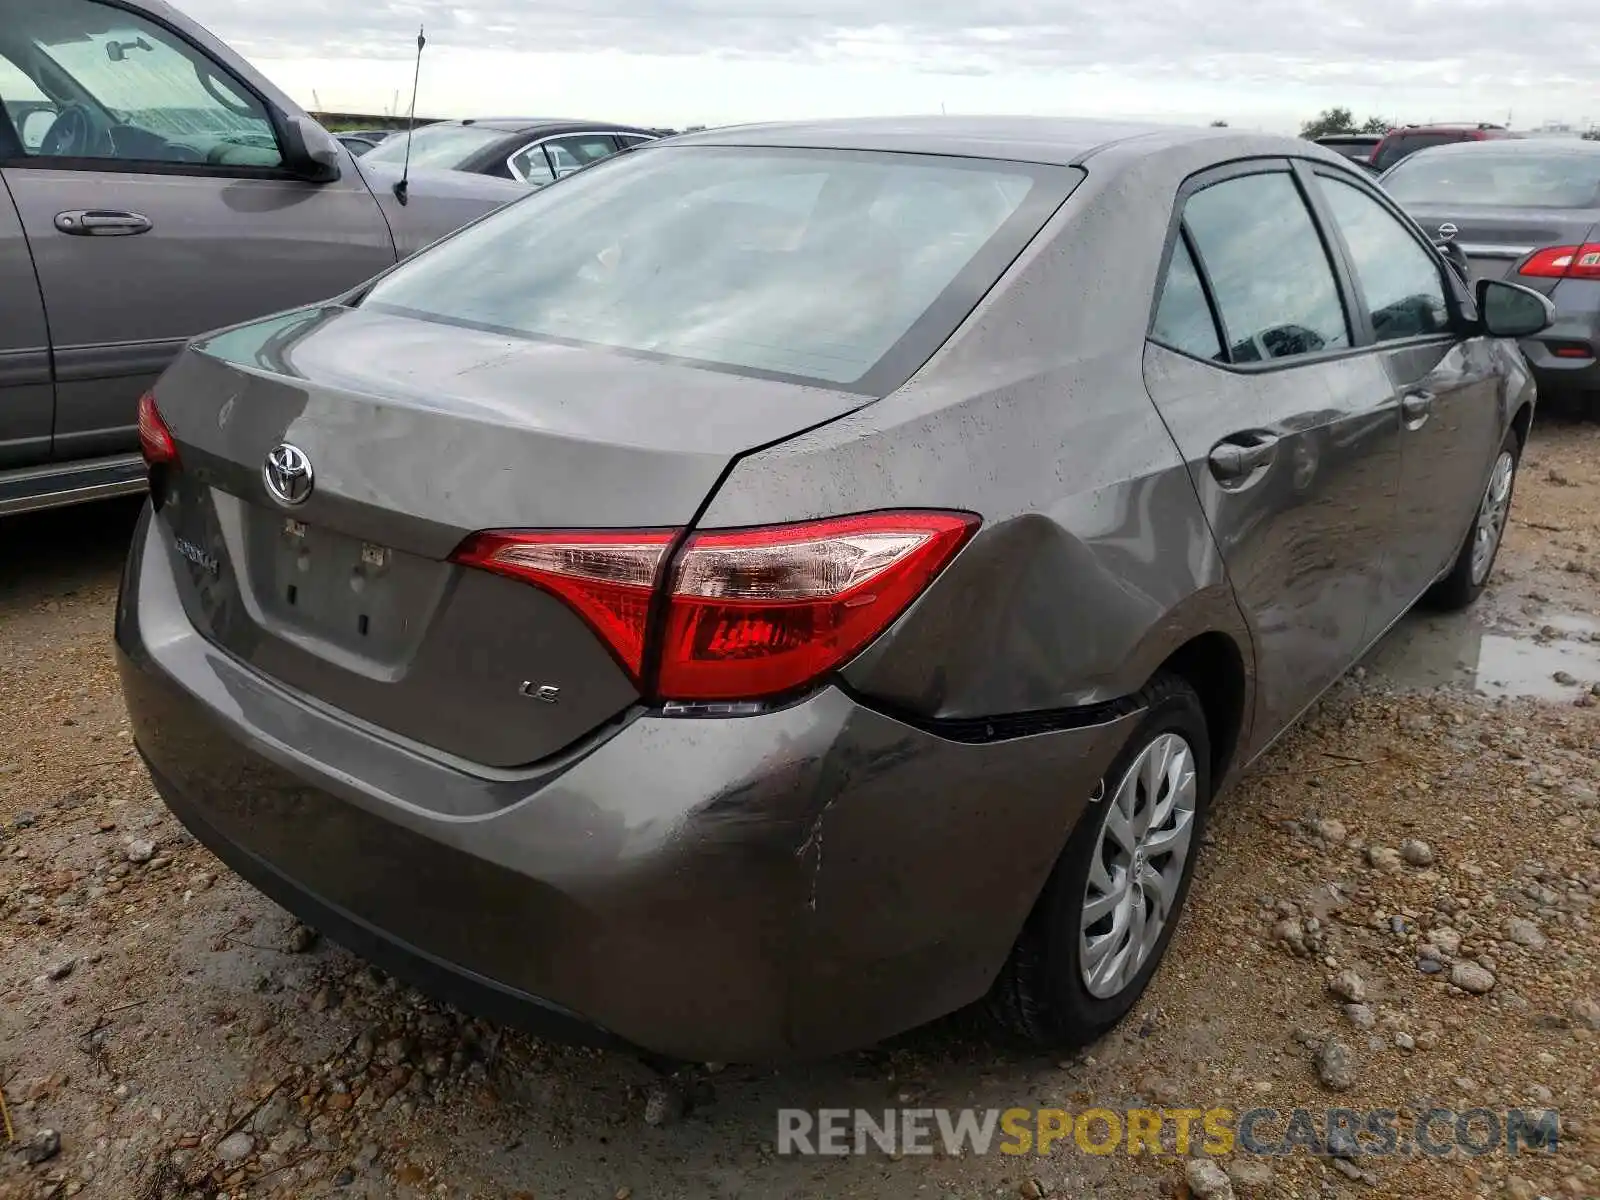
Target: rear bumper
(748, 889)
(1577, 325)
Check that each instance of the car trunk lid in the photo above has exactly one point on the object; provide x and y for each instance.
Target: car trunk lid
(417, 435)
(1495, 240)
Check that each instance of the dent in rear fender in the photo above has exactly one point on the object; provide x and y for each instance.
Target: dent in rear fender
(1094, 562)
(924, 863)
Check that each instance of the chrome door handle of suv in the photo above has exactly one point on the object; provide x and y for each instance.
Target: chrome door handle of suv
(100, 222)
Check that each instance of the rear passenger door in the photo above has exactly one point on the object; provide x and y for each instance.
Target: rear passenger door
(1286, 419)
(1446, 387)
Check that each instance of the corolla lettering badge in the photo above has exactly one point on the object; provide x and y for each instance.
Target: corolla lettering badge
(206, 562)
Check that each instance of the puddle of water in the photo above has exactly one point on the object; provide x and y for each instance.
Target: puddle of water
(1456, 651)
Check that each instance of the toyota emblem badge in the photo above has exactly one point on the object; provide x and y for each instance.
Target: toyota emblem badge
(288, 476)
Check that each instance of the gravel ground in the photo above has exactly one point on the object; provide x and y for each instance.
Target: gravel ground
(1395, 909)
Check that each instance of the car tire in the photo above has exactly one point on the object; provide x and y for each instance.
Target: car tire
(1470, 573)
(1044, 995)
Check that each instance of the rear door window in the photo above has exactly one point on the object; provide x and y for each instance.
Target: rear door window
(1183, 318)
(569, 154)
(531, 165)
(1399, 280)
(1268, 269)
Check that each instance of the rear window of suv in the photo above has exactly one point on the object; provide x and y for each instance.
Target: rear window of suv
(1521, 179)
(1402, 145)
(845, 268)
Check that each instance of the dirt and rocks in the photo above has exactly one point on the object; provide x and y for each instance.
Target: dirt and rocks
(1395, 910)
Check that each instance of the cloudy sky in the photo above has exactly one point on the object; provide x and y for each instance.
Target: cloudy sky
(1267, 63)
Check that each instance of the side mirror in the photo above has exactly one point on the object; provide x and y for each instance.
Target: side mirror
(1510, 310)
(34, 127)
(310, 151)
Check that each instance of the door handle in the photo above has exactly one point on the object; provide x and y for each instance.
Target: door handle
(101, 222)
(1417, 406)
(1241, 456)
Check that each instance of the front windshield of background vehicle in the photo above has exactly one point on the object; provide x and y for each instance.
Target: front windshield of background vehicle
(810, 264)
(445, 146)
(1506, 180)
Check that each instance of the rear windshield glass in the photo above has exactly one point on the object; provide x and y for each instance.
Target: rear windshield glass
(840, 267)
(1405, 144)
(444, 146)
(1520, 180)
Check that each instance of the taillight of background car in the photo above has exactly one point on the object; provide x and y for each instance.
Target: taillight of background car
(1564, 262)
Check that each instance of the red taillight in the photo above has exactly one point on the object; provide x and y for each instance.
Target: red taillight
(764, 611)
(1564, 262)
(607, 578)
(155, 439)
(751, 613)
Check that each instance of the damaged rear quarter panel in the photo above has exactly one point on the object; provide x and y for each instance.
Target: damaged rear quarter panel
(1095, 561)
(917, 903)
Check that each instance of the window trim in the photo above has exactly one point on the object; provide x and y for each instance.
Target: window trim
(1274, 164)
(613, 134)
(276, 121)
(1312, 172)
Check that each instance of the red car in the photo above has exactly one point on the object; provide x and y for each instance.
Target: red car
(1408, 139)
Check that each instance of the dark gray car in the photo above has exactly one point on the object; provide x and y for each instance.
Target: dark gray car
(1529, 211)
(532, 150)
(781, 585)
(153, 186)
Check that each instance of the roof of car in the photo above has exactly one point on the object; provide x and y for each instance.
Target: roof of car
(1054, 140)
(1450, 127)
(1521, 145)
(529, 124)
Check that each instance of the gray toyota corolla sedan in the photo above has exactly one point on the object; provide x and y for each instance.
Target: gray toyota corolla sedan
(783, 584)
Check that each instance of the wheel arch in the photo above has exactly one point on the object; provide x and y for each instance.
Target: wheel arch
(1213, 664)
(1522, 423)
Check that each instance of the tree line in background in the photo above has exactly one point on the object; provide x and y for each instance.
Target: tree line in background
(1341, 120)
(1334, 120)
